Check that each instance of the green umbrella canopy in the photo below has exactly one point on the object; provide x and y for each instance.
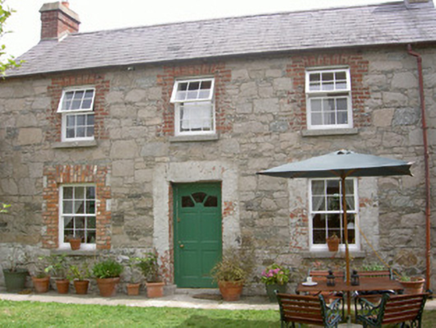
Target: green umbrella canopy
(341, 163)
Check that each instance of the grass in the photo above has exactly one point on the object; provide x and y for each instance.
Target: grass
(35, 314)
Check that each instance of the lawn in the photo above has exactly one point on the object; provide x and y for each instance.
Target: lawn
(36, 314)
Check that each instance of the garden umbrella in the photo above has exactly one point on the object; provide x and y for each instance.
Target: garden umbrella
(341, 164)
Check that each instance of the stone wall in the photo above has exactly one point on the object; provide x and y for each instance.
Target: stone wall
(261, 109)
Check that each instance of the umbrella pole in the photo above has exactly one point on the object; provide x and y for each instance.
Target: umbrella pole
(347, 255)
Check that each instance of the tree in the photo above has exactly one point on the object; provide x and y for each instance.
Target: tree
(8, 62)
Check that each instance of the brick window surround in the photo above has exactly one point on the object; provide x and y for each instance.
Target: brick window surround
(218, 71)
(358, 69)
(54, 177)
(58, 84)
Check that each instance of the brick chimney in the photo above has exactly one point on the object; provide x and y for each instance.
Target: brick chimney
(419, 3)
(57, 20)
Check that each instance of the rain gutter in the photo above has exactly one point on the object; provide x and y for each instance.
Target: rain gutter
(426, 162)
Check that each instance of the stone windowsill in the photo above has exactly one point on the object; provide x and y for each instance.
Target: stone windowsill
(329, 132)
(194, 138)
(74, 144)
(331, 255)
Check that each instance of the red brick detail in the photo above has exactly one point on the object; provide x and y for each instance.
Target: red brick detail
(358, 69)
(54, 23)
(299, 223)
(54, 177)
(58, 84)
(229, 209)
(222, 76)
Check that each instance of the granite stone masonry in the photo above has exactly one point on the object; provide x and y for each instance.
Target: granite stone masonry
(136, 161)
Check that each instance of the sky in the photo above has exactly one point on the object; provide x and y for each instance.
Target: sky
(25, 24)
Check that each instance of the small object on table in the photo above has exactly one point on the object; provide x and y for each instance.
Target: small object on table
(355, 280)
(330, 279)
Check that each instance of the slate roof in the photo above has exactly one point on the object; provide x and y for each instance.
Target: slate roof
(384, 24)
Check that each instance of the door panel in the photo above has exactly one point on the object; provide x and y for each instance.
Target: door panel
(197, 233)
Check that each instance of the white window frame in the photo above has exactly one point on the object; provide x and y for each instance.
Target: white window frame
(75, 112)
(84, 245)
(326, 93)
(355, 212)
(208, 100)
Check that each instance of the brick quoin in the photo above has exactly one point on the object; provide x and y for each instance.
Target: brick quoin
(58, 84)
(54, 177)
(222, 76)
(359, 93)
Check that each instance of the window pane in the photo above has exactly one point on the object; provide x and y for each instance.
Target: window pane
(80, 132)
(316, 105)
(79, 207)
(90, 207)
(187, 202)
(317, 119)
(90, 237)
(67, 193)
(80, 119)
(319, 237)
(79, 193)
(211, 201)
(79, 223)
(71, 120)
(341, 103)
(343, 118)
(90, 192)
(194, 85)
(90, 119)
(67, 206)
(68, 222)
(90, 131)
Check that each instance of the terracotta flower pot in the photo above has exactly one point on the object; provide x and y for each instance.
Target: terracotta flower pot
(133, 289)
(41, 285)
(108, 286)
(333, 244)
(415, 286)
(63, 286)
(154, 289)
(230, 290)
(81, 286)
(75, 243)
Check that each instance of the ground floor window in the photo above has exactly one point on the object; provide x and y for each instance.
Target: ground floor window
(77, 213)
(326, 211)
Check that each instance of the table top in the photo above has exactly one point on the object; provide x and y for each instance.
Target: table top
(366, 284)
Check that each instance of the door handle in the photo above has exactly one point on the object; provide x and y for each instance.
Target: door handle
(182, 246)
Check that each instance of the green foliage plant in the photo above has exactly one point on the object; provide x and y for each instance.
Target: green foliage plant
(5, 63)
(149, 267)
(234, 266)
(275, 274)
(373, 267)
(57, 265)
(107, 269)
(79, 272)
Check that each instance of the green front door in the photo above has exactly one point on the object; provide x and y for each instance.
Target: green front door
(197, 233)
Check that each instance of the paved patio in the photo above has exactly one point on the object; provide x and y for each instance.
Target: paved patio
(183, 298)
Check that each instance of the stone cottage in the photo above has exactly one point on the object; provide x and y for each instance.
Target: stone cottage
(150, 138)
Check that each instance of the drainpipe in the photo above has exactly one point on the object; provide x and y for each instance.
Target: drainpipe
(426, 162)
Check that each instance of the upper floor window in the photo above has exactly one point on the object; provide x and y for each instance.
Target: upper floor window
(78, 214)
(326, 212)
(194, 106)
(328, 93)
(76, 107)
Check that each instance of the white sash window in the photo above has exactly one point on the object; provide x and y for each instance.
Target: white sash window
(76, 107)
(194, 106)
(328, 94)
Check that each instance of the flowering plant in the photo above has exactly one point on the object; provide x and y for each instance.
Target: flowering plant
(275, 274)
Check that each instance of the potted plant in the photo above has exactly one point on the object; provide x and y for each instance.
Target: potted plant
(75, 242)
(41, 276)
(79, 274)
(150, 270)
(58, 268)
(275, 277)
(133, 286)
(333, 243)
(15, 274)
(412, 285)
(231, 273)
(107, 272)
